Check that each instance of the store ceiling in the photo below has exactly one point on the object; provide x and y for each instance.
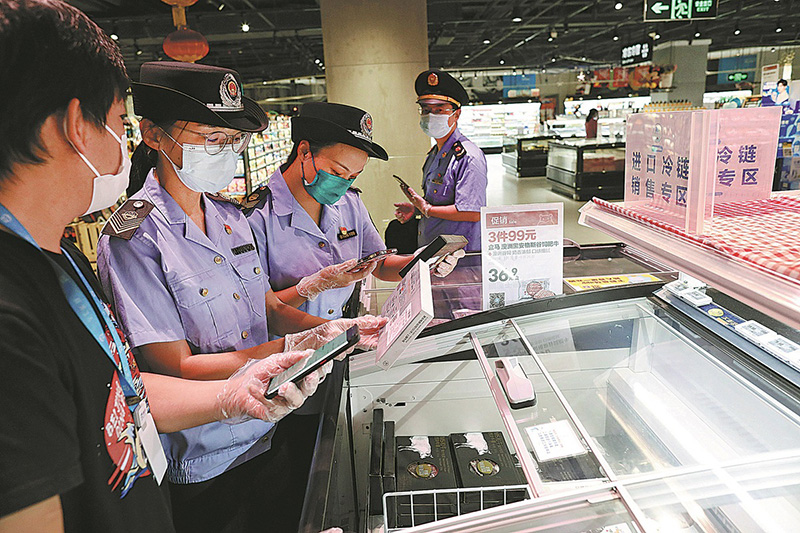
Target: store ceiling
(285, 36)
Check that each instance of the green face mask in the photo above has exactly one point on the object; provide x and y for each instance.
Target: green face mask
(325, 188)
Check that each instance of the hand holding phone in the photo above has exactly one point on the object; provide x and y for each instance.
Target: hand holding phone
(372, 258)
(328, 352)
(403, 185)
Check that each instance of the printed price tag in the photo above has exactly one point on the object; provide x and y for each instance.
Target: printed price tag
(521, 252)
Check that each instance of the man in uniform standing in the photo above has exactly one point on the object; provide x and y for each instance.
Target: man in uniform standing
(454, 174)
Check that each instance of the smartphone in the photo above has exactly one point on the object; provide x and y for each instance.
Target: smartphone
(439, 247)
(316, 360)
(403, 185)
(377, 256)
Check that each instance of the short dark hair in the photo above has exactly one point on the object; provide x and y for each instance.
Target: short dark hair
(783, 82)
(50, 53)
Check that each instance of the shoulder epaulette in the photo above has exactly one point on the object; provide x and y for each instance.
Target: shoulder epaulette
(355, 190)
(255, 200)
(220, 197)
(458, 150)
(127, 219)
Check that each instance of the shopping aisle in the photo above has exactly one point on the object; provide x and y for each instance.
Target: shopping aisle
(505, 188)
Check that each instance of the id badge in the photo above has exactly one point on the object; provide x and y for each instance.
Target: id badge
(146, 428)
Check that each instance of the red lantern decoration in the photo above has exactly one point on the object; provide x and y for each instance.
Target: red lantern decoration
(186, 45)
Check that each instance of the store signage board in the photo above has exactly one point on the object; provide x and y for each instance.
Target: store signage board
(522, 252)
(635, 53)
(666, 10)
(679, 165)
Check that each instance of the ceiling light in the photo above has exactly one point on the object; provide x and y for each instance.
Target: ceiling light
(264, 82)
(486, 41)
(737, 31)
(772, 49)
(245, 27)
(618, 6)
(778, 28)
(550, 39)
(466, 56)
(114, 36)
(221, 6)
(697, 33)
(553, 34)
(317, 61)
(657, 36)
(615, 37)
(138, 51)
(544, 70)
(516, 19)
(502, 61)
(553, 59)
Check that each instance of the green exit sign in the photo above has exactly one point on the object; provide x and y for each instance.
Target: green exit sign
(736, 77)
(679, 9)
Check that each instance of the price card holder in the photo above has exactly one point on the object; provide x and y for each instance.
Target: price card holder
(521, 253)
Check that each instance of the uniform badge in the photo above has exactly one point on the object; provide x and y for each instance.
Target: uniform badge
(344, 233)
(433, 79)
(366, 125)
(219, 197)
(255, 200)
(127, 219)
(230, 92)
(243, 249)
(458, 150)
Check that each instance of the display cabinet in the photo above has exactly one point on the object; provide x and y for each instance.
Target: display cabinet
(585, 168)
(526, 156)
(648, 417)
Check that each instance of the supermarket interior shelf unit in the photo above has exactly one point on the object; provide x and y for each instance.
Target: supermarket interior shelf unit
(487, 125)
(265, 153)
(583, 168)
(526, 156)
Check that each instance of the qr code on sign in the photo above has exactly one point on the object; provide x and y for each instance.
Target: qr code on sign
(497, 299)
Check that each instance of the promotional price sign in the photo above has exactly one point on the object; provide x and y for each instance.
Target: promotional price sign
(522, 252)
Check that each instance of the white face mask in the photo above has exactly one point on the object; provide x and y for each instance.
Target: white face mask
(435, 126)
(202, 172)
(107, 188)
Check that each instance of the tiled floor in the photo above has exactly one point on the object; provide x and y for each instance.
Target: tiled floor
(505, 188)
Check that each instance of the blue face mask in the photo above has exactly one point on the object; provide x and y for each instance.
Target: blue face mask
(325, 188)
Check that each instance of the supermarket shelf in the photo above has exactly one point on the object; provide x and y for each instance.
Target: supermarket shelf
(762, 289)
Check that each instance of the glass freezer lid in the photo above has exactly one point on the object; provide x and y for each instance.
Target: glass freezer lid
(630, 401)
(652, 399)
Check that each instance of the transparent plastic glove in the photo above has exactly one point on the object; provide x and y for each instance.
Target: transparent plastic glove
(448, 263)
(404, 212)
(332, 277)
(242, 396)
(369, 328)
(418, 201)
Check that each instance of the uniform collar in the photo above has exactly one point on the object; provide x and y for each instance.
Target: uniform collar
(455, 136)
(282, 198)
(161, 199)
(284, 203)
(174, 214)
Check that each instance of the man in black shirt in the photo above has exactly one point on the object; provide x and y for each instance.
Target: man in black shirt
(78, 447)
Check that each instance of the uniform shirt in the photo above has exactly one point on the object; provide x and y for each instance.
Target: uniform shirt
(172, 282)
(293, 246)
(65, 428)
(449, 180)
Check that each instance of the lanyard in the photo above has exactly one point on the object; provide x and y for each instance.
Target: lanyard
(84, 309)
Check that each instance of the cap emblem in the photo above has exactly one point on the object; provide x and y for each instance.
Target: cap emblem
(366, 125)
(433, 79)
(230, 93)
